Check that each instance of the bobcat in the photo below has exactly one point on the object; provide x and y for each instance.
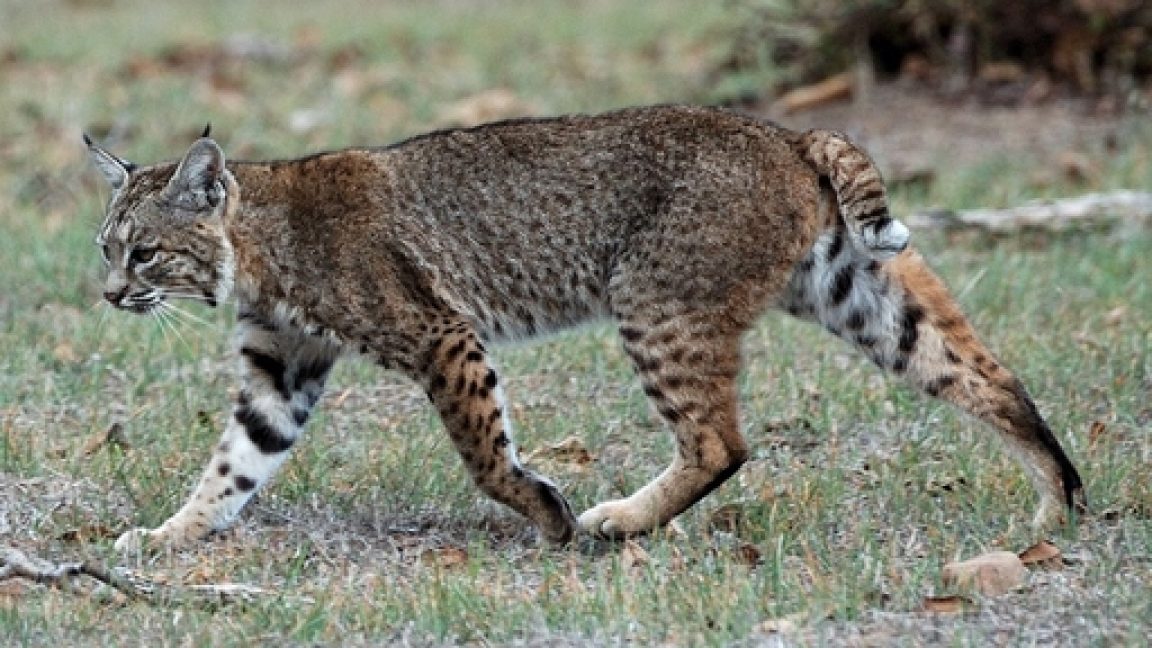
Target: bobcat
(681, 224)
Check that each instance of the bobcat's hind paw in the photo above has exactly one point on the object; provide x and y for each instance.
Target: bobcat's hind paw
(617, 520)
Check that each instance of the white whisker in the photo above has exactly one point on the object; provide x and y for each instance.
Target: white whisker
(188, 316)
(165, 315)
(156, 317)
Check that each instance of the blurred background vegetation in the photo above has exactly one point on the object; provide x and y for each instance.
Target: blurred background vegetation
(1005, 51)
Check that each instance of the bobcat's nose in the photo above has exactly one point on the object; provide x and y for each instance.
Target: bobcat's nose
(115, 296)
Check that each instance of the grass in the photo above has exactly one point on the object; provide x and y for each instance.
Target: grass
(858, 491)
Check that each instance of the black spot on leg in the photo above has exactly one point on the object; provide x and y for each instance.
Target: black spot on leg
(938, 385)
(490, 379)
(900, 364)
(474, 356)
(300, 416)
(263, 434)
(834, 247)
(223, 469)
(842, 285)
(908, 328)
(670, 414)
(245, 484)
(856, 320)
(647, 364)
(439, 382)
(951, 355)
(455, 350)
(654, 392)
(228, 492)
(500, 443)
(630, 334)
(805, 265)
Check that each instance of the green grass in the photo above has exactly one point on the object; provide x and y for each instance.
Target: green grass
(858, 492)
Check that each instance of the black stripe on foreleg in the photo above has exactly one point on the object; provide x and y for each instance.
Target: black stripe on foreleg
(271, 366)
(260, 431)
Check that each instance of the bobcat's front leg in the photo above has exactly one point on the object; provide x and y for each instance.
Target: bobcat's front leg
(282, 377)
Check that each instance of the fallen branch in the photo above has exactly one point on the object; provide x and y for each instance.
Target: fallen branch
(1083, 212)
(16, 564)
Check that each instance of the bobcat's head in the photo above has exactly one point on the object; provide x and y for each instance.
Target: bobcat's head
(163, 234)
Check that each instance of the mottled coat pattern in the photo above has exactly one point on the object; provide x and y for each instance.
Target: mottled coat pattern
(681, 224)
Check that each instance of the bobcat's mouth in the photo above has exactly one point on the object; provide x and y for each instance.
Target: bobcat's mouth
(142, 303)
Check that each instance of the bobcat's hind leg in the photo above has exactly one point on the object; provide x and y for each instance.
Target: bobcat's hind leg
(688, 371)
(466, 391)
(901, 315)
(282, 376)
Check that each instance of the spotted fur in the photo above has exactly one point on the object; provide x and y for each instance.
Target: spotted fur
(681, 224)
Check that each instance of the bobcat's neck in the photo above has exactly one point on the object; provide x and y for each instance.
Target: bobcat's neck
(283, 223)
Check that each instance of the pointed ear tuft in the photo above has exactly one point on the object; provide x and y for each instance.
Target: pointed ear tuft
(198, 183)
(207, 130)
(114, 170)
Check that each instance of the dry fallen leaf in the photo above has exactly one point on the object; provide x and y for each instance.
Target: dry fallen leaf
(1116, 316)
(1096, 432)
(11, 591)
(445, 557)
(1044, 555)
(113, 435)
(991, 574)
(88, 533)
(781, 625)
(726, 519)
(64, 352)
(633, 555)
(946, 604)
(569, 454)
(747, 554)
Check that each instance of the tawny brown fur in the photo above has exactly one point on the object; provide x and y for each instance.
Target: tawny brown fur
(681, 224)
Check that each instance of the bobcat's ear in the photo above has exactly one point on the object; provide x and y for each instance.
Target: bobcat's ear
(114, 170)
(199, 179)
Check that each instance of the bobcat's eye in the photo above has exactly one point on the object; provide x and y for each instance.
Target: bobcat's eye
(142, 255)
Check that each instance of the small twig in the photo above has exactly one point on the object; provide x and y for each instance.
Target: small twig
(16, 564)
(1088, 210)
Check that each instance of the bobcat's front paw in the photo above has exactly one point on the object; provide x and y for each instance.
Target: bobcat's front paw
(137, 540)
(167, 536)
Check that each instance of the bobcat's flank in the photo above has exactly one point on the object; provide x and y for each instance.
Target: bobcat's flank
(680, 224)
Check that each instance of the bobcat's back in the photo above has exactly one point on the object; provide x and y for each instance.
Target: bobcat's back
(531, 225)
